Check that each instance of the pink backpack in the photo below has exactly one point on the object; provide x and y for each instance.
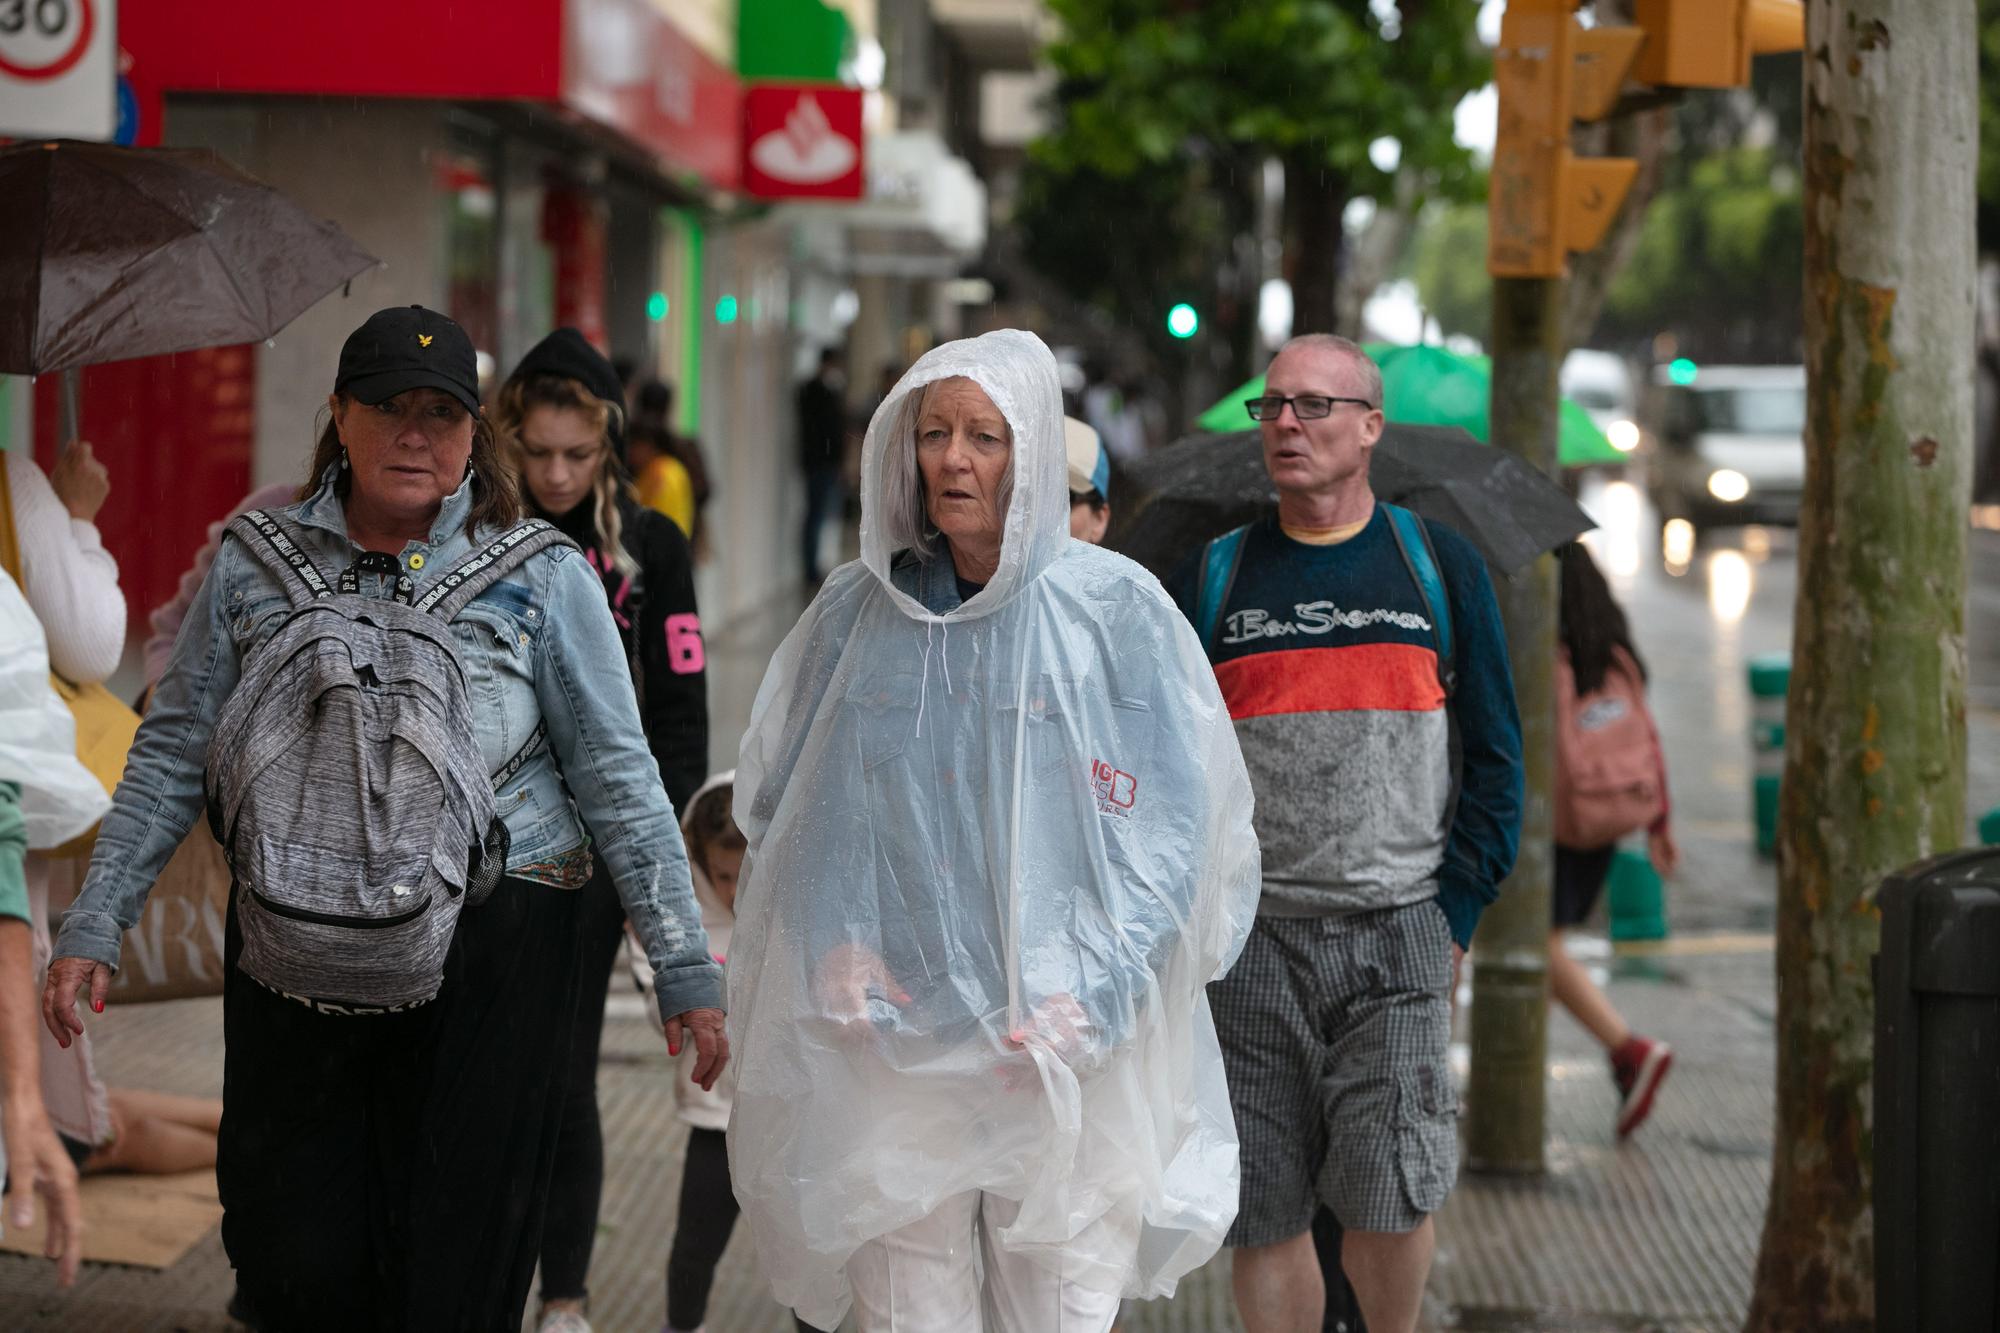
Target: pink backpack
(1610, 775)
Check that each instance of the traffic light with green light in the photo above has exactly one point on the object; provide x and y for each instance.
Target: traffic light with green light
(1182, 321)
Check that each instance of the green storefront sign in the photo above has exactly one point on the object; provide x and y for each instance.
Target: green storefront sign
(790, 40)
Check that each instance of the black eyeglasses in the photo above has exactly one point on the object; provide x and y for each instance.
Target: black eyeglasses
(1307, 406)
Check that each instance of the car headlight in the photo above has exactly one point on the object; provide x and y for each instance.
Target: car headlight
(1624, 435)
(1728, 485)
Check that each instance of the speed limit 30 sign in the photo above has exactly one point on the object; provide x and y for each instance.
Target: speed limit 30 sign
(58, 68)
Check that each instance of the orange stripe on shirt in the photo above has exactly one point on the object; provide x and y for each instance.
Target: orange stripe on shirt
(1389, 677)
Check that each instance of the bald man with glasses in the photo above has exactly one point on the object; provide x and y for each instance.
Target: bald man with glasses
(1362, 657)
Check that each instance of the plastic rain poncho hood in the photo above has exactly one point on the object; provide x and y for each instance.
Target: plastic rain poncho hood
(995, 856)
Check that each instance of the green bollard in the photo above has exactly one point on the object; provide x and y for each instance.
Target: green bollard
(1635, 899)
(1770, 677)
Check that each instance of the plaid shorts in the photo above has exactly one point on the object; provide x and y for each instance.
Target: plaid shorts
(1335, 1034)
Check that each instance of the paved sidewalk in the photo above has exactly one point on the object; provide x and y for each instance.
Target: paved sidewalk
(1658, 1234)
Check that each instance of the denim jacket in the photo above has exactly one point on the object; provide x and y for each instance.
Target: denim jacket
(539, 647)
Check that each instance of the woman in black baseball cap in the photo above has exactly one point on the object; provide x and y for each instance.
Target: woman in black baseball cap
(384, 1161)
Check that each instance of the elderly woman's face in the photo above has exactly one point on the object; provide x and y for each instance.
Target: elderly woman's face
(963, 448)
(408, 452)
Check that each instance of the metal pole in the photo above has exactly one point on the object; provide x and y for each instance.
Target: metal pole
(70, 415)
(1510, 1011)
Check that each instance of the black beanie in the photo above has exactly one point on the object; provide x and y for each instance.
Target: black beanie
(569, 355)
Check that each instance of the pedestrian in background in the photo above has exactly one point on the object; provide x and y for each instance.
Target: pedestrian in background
(822, 424)
(385, 1164)
(1089, 482)
(1611, 781)
(992, 866)
(558, 418)
(667, 468)
(1354, 643)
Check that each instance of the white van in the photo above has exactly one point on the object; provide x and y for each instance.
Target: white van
(1727, 444)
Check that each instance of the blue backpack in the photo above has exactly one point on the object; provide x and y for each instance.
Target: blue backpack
(1220, 558)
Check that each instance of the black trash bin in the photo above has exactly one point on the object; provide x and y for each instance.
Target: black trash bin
(1937, 1097)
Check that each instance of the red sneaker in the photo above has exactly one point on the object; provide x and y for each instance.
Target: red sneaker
(1639, 1066)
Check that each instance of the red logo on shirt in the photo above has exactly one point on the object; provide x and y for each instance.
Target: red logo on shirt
(1117, 791)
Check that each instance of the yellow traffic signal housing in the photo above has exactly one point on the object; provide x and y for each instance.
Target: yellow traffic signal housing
(1545, 201)
(1708, 43)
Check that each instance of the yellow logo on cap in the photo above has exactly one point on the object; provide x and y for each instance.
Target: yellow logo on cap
(423, 340)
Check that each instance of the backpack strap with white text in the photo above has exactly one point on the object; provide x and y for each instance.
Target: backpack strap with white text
(279, 545)
(487, 565)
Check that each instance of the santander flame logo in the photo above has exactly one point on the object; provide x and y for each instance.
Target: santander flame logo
(805, 150)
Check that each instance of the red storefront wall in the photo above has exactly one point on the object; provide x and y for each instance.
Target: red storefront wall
(177, 432)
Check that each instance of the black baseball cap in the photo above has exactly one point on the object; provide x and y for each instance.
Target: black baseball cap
(408, 347)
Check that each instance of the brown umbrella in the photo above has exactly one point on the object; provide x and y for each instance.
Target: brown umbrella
(108, 253)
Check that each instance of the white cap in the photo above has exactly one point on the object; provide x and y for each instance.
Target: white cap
(1089, 466)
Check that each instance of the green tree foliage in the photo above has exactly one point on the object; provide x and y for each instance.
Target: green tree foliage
(1315, 80)
(1203, 93)
(1719, 262)
(1131, 247)
(1447, 261)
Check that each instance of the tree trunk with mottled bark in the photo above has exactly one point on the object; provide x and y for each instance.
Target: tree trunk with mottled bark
(1875, 762)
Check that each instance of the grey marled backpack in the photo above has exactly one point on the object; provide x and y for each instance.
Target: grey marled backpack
(345, 783)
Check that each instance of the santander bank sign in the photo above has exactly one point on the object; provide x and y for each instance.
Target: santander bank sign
(802, 141)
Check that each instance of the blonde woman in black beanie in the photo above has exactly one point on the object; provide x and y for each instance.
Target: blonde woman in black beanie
(560, 420)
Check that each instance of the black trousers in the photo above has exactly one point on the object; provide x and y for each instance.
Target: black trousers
(391, 1171)
(578, 1185)
(707, 1217)
(321, 1118)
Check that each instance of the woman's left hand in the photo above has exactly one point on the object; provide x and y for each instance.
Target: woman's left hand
(711, 1044)
(1062, 1025)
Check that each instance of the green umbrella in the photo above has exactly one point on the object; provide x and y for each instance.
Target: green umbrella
(1429, 386)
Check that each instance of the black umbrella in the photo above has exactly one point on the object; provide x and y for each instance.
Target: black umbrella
(108, 253)
(1174, 500)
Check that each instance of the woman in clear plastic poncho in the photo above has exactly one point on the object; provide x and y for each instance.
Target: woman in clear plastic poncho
(1000, 841)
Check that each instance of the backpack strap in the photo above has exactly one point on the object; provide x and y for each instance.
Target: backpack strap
(279, 546)
(1413, 541)
(451, 594)
(1219, 562)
